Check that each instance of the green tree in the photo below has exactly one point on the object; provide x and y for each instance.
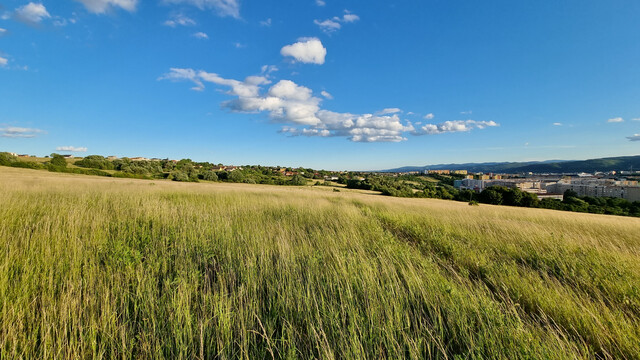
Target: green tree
(209, 176)
(6, 159)
(178, 176)
(298, 180)
(236, 176)
(58, 161)
(491, 196)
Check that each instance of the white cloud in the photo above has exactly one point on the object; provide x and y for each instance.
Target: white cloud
(19, 132)
(299, 110)
(239, 45)
(320, 3)
(334, 24)
(176, 74)
(201, 35)
(326, 95)
(557, 124)
(32, 13)
(71, 149)
(306, 50)
(636, 119)
(389, 111)
(634, 137)
(60, 22)
(328, 26)
(3, 31)
(454, 126)
(3, 61)
(429, 116)
(615, 120)
(222, 7)
(102, 6)
(268, 69)
(180, 19)
(466, 112)
(266, 23)
(348, 17)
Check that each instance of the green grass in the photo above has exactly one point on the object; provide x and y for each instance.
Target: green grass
(118, 268)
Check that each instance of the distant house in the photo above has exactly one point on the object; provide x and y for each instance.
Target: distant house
(139, 158)
(13, 154)
(217, 168)
(68, 156)
(231, 168)
(112, 157)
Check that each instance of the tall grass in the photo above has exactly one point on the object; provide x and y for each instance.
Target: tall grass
(113, 268)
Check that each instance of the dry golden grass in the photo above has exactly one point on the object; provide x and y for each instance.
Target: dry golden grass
(97, 267)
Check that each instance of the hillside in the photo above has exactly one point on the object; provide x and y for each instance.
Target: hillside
(96, 267)
(550, 166)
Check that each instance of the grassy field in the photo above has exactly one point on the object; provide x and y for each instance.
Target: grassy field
(115, 268)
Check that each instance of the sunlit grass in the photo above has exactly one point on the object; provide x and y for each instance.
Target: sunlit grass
(107, 268)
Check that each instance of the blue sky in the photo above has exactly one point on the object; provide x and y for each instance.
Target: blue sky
(324, 84)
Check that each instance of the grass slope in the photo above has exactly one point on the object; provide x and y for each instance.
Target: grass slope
(108, 268)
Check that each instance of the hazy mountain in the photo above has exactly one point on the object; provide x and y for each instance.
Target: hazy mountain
(547, 166)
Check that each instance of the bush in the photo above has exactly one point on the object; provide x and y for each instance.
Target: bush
(209, 176)
(95, 162)
(58, 161)
(236, 176)
(298, 180)
(178, 176)
(6, 159)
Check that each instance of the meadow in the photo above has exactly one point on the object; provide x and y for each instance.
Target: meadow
(95, 267)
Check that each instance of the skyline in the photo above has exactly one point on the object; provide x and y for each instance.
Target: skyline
(321, 84)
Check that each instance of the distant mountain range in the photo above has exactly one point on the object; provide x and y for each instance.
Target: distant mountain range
(549, 166)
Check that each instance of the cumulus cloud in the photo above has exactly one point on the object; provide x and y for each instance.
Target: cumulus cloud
(201, 35)
(222, 7)
(335, 23)
(299, 110)
(3, 61)
(429, 116)
(615, 120)
(19, 132)
(32, 13)
(179, 19)
(326, 95)
(636, 119)
(306, 50)
(71, 149)
(102, 6)
(453, 126)
(634, 137)
(320, 3)
(2, 31)
(557, 124)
